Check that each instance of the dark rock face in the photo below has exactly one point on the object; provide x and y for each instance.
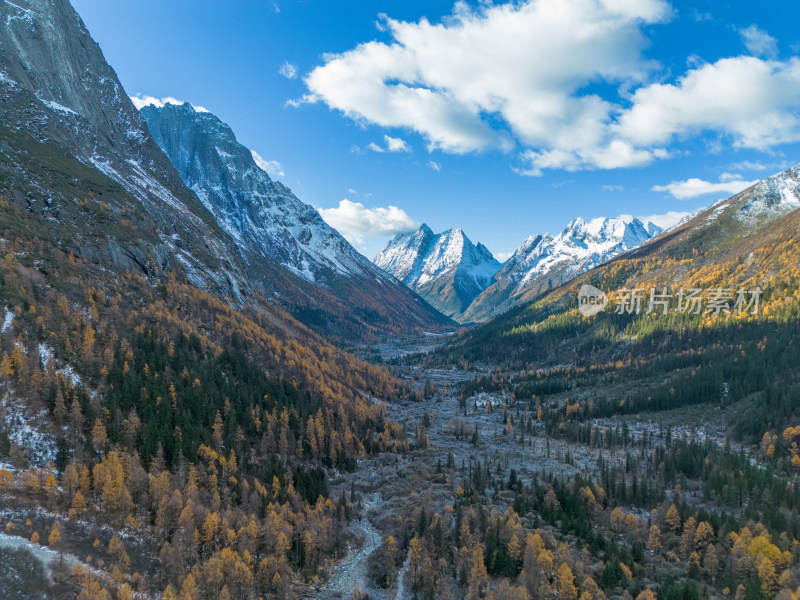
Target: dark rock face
(57, 90)
(263, 216)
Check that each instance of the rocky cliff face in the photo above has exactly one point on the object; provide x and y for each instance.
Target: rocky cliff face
(268, 223)
(447, 269)
(263, 216)
(66, 120)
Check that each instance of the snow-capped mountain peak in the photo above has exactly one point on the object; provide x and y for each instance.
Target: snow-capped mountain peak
(446, 269)
(545, 261)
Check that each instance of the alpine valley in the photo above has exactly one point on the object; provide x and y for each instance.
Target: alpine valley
(207, 393)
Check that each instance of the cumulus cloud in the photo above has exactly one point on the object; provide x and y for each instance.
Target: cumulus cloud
(355, 221)
(520, 76)
(288, 70)
(272, 167)
(140, 102)
(694, 187)
(753, 101)
(758, 42)
(522, 63)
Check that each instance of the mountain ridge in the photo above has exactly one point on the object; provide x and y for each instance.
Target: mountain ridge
(743, 242)
(446, 269)
(472, 286)
(546, 261)
(61, 102)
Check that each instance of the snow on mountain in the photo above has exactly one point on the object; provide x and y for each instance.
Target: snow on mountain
(312, 270)
(78, 155)
(260, 214)
(447, 269)
(581, 246)
(56, 88)
(772, 198)
(546, 261)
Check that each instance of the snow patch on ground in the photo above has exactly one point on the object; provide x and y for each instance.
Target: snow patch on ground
(58, 107)
(4, 78)
(7, 320)
(43, 554)
(70, 374)
(24, 430)
(717, 209)
(25, 14)
(45, 354)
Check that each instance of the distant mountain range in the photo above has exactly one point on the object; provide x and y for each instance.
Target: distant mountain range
(465, 282)
(546, 261)
(746, 242)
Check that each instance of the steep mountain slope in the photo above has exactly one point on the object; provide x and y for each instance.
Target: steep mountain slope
(544, 262)
(263, 216)
(447, 269)
(57, 89)
(335, 288)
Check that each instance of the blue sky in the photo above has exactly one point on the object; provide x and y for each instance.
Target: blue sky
(503, 119)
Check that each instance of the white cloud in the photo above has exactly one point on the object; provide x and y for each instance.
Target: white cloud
(502, 256)
(522, 64)
(694, 187)
(754, 102)
(612, 188)
(355, 221)
(140, 102)
(272, 167)
(519, 76)
(392, 145)
(435, 165)
(758, 42)
(665, 220)
(288, 70)
(396, 144)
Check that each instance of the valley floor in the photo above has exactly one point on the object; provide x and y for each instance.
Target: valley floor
(392, 488)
